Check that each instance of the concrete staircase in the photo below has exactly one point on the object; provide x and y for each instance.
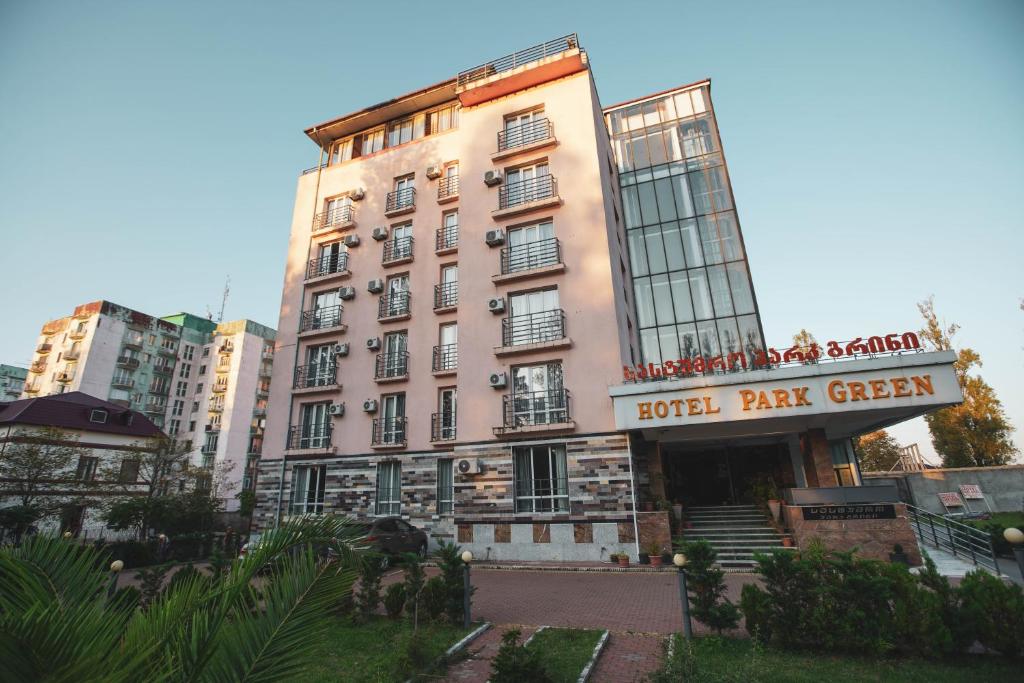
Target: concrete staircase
(735, 531)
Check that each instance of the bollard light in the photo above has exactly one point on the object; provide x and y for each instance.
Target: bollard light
(68, 534)
(679, 560)
(116, 566)
(162, 537)
(467, 557)
(1013, 535)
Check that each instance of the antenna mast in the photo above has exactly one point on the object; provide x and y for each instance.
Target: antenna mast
(224, 299)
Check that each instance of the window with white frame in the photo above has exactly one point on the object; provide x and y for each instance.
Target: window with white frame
(389, 488)
(445, 486)
(308, 488)
(189, 352)
(541, 478)
(86, 470)
(341, 151)
(372, 141)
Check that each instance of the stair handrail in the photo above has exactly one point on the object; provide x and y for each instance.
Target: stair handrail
(962, 540)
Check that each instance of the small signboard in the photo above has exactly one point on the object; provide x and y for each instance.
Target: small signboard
(951, 499)
(848, 512)
(971, 492)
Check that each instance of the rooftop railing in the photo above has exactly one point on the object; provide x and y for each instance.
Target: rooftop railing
(517, 59)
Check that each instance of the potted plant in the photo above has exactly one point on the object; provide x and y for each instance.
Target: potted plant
(787, 541)
(643, 558)
(654, 552)
(897, 556)
(623, 559)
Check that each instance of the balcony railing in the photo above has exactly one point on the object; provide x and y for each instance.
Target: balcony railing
(38, 366)
(516, 59)
(162, 369)
(65, 377)
(530, 255)
(219, 387)
(448, 187)
(215, 408)
(526, 191)
(525, 134)
(388, 431)
(168, 351)
(226, 348)
(400, 200)
(446, 295)
(442, 426)
(44, 348)
(156, 408)
(536, 409)
(128, 362)
(393, 365)
(309, 436)
(446, 238)
(321, 318)
(78, 334)
(134, 341)
(266, 371)
(315, 375)
(533, 328)
(159, 389)
(72, 354)
(333, 218)
(122, 383)
(327, 265)
(393, 304)
(397, 249)
(31, 388)
(445, 358)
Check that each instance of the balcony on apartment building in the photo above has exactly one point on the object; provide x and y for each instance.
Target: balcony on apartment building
(522, 69)
(263, 389)
(259, 411)
(448, 189)
(159, 389)
(133, 341)
(216, 407)
(38, 366)
(394, 306)
(321, 320)
(442, 427)
(255, 447)
(212, 427)
(397, 251)
(171, 351)
(223, 364)
(446, 240)
(72, 354)
(78, 333)
(266, 370)
(163, 368)
(315, 377)
(335, 218)
(525, 138)
(122, 382)
(535, 411)
(400, 202)
(391, 367)
(388, 432)
(65, 377)
(445, 359)
(309, 437)
(527, 195)
(219, 387)
(226, 348)
(32, 388)
(154, 408)
(446, 297)
(128, 362)
(53, 327)
(328, 267)
(531, 259)
(533, 331)
(44, 349)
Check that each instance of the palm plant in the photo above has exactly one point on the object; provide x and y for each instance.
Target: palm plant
(58, 624)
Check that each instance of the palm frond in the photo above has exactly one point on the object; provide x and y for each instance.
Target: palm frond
(46, 569)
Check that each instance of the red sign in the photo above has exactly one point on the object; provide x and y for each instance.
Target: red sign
(971, 492)
(951, 500)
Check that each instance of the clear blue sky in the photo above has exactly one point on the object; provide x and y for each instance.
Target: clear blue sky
(149, 149)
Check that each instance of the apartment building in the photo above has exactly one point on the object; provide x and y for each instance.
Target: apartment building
(12, 381)
(592, 258)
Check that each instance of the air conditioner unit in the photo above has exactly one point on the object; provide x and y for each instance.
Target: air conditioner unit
(357, 194)
(337, 409)
(498, 380)
(470, 466)
(495, 238)
(370, 405)
(375, 286)
(433, 172)
(351, 240)
(492, 178)
(496, 305)
(380, 233)
(341, 349)
(346, 293)
(373, 343)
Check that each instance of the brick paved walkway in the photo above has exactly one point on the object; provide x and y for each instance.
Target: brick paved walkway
(476, 668)
(628, 658)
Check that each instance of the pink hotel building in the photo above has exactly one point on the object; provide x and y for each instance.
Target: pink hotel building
(472, 265)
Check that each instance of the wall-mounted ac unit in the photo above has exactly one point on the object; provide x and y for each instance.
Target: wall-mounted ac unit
(346, 293)
(495, 238)
(370, 405)
(341, 349)
(337, 409)
(357, 194)
(380, 233)
(469, 466)
(351, 240)
(373, 343)
(492, 178)
(496, 305)
(433, 172)
(498, 380)
(375, 286)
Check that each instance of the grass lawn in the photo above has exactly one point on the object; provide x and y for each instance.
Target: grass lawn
(372, 652)
(565, 651)
(729, 660)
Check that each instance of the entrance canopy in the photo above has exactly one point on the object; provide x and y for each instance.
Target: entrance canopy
(843, 398)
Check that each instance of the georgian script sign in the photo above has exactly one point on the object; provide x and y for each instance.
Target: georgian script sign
(951, 500)
(848, 512)
(971, 492)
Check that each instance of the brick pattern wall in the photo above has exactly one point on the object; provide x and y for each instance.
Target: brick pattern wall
(872, 538)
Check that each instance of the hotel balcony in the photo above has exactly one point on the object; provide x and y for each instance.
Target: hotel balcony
(445, 359)
(400, 202)
(527, 195)
(388, 432)
(78, 333)
(321, 320)
(391, 367)
(522, 69)
(44, 349)
(328, 268)
(446, 297)
(533, 332)
(128, 362)
(309, 437)
(315, 377)
(219, 387)
(38, 366)
(394, 306)
(537, 411)
(336, 219)
(448, 189)
(524, 138)
(442, 427)
(532, 259)
(446, 240)
(397, 251)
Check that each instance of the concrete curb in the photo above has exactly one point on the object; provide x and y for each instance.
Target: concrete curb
(593, 570)
(539, 629)
(457, 647)
(589, 668)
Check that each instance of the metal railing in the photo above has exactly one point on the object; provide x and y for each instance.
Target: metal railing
(448, 186)
(38, 366)
(327, 265)
(72, 354)
(446, 238)
(391, 365)
(445, 357)
(963, 541)
(542, 495)
(44, 348)
(219, 387)
(321, 318)
(533, 328)
(526, 191)
(397, 249)
(393, 304)
(518, 58)
(332, 218)
(215, 407)
(446, 295)
(128, 362)
(313, 169)
(159, 389)
(309, 436)
(77, 333)
(520, 257)
(536, 408)
(442, 426)
(315, 375)
(163, 369)
(525, 134)
(156, 407)
(122, 383)
(398, 200)
(388, 431)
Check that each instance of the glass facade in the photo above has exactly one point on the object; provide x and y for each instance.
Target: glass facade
(690, 278)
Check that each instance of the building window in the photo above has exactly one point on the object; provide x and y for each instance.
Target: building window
(341, 151)
(174, 428)
(184, 371)
(129, 473)
(531, 246)
(534, 317)
(98, 416)
(308, 488)
(189, 352)
(443, 119)
(372, 142)
(86, 468)
(389, 488)
(541, 479)
(842, 462)
(445, 487)
(202, 370)
(538, 395)
(181, 389)
(406, 130)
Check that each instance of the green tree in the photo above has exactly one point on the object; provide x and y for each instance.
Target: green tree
(706, 588)
(877, 451)
(33, 462)
(977, 432)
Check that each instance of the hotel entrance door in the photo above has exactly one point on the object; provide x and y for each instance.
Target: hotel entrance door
(723, 475)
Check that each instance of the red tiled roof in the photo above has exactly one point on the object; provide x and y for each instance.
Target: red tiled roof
(72, 410)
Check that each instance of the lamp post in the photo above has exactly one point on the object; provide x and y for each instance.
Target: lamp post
(161, 547)
(115, 568)
(1016, 539)
(679, 560)
(67, 535)
(467, 557)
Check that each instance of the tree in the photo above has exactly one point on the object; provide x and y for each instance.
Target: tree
(977, 432)
(877, 451)
(706, 588)
(173, 515)
(33, 462)
(164, 468)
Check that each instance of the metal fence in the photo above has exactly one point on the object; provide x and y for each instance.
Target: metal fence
(963, 541)
(518, 58)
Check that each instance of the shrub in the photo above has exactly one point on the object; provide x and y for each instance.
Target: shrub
(413, 654)
(128, 596)
(450, 560)
(706, 586)
(367, 597)
(994, 611)
(186, 573)
(756, 606)
(132, 553)
(434, 598)
(151, 582)
(680, 662)
(961, 636)
(515, 663)
(394, 600)
(414, 581)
